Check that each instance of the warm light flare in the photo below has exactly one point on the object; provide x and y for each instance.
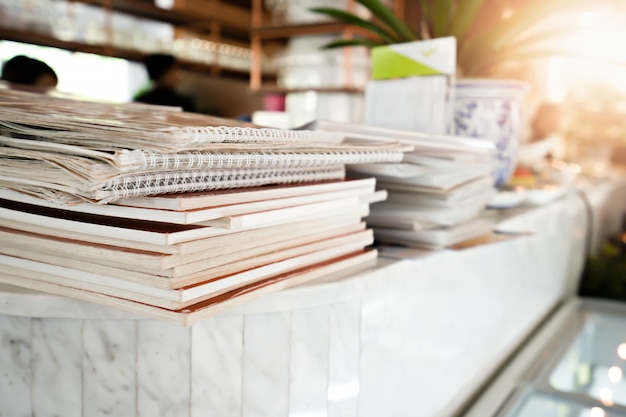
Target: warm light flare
(596, 412)
(606, 396)
(554, 80)
(621, 351)
(615, 374)
(588, 19)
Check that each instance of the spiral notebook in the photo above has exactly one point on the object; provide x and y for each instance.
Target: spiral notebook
(61, 186)
(67, 151)
(122, 126)
(95, 176)
(196, 200)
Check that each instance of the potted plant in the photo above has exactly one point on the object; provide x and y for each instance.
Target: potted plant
(486, 37)
(487, 33)
(604, 274)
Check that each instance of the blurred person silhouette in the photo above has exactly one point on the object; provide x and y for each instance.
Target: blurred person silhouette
(546, 141)
(28, 74)
(163, 72)
(546, 126)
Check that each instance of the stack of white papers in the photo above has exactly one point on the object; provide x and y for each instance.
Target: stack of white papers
(436, 195)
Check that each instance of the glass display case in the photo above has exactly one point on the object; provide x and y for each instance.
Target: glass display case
(572, 366)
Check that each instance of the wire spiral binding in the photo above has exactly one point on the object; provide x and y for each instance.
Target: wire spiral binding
(154, 161)
(218, 134)
(187, 181)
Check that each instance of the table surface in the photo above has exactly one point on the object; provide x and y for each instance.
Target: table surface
(425, 331)
(606, 198)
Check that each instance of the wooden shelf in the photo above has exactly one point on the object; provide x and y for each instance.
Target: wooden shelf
(262, 32)
(219, 21)
(116, 52)
(287, 31)
(233, 20)
(46, 40)
(269, 89)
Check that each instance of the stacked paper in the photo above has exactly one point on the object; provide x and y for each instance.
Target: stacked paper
(437, 193)
(66, 150)
(87, 207)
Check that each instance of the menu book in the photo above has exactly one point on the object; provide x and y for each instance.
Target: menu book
(182, 295)
(156, 236)
(235, 216)
(335, 267)
(218, 251)
(421, 141)
(437, 237)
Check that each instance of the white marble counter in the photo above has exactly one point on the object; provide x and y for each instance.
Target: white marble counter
(409, 337)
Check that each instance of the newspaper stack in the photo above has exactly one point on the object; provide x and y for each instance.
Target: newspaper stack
(172, 215)
(436, 194)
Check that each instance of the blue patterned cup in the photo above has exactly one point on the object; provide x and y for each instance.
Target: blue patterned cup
(491, 109)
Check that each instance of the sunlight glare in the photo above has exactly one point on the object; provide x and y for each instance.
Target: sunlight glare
(588, 19)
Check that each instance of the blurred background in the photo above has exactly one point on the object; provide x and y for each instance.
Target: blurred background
(243, 56)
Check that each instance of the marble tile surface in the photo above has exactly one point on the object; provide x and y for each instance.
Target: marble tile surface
(57, 352)
(308, 373)
(415, 334)
(266, 362)
(163, 369)
(217, 367)
(109, 373)
(343, 358)
(15, 367)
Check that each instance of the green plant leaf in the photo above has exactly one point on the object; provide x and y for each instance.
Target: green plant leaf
(355, 20)
(386, 15)
(441, 14)
(464, 17)
(342, 43)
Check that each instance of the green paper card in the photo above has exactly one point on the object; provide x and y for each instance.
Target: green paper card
(419, 58)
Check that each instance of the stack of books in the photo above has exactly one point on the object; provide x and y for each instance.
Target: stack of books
(173, 215)
(437, 193)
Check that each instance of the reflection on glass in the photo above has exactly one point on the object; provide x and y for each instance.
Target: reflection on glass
(537, 404)
(593, 363)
